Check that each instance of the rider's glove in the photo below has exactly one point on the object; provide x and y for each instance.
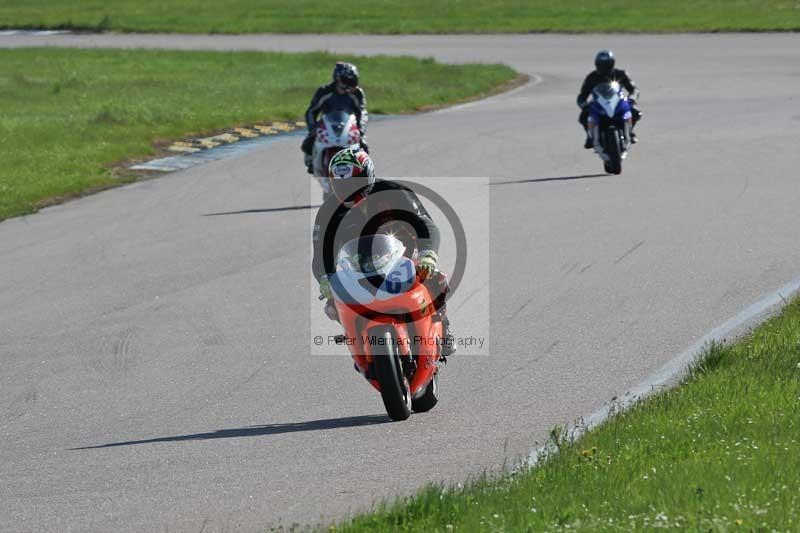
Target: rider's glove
(325, 289)
(427, 264)
(364, 145)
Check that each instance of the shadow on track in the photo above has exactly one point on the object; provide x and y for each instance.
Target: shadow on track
(259, 431)
(266, 210)
(559, 178)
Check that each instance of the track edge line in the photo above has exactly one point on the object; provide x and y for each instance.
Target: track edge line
(669, 373)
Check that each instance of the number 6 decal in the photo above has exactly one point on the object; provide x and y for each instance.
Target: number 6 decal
(396, 278)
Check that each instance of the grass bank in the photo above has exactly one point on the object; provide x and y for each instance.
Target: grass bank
(718, 453)
(410, 16)
(70, 115)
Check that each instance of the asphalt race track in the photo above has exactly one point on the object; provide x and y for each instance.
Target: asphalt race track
(155, 361)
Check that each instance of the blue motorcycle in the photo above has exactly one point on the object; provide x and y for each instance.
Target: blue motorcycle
(610, 123)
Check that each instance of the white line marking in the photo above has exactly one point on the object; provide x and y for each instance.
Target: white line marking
(534, 81)
(764, 308)
(43, 33)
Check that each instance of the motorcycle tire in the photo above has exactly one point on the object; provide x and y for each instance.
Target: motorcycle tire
(389, 373)
(429, 399)
(614, 152)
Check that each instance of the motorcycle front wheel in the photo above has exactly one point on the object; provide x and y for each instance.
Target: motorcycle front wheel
(614, 151)
(389, 371)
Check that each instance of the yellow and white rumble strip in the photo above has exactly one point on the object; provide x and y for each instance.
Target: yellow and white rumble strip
(192, 152)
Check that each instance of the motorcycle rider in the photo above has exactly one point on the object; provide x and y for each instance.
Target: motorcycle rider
(343, 93)
(358, 199)
(605, 72)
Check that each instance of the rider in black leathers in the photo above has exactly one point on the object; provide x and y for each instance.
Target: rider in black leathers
(342, 94)
(362, 205)
(605, 72)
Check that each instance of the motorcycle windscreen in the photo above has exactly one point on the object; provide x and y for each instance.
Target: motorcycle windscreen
(372, 268)
(606, 90)
(607, 96)
(370, 254)
(337, 120)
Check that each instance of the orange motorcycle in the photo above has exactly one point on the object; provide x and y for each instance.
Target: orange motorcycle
(390, 325)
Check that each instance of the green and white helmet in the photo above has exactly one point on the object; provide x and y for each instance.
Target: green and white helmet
(351, 174)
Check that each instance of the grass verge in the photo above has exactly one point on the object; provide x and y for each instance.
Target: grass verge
(70, 115)
(411, 16)
(718, 453)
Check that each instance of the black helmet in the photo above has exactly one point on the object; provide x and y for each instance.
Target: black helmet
(345, 74)
(604, 61)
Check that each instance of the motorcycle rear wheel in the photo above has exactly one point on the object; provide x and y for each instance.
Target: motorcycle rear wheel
(389, 372)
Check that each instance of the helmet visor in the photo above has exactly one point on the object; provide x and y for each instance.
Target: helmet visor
(604, 64)
(348, 189)
(348, 82)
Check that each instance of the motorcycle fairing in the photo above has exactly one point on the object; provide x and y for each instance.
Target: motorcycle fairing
(337, 129)
(351, 287)
(609, 101)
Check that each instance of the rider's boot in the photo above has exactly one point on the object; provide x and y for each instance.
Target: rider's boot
(307, 147)
(331, 312)
(637, 116)
(588, 143)
(448, 341)
(438, 287)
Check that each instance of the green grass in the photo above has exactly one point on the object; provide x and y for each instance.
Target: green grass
(69, 115)
(721, 452)
(409, 16)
